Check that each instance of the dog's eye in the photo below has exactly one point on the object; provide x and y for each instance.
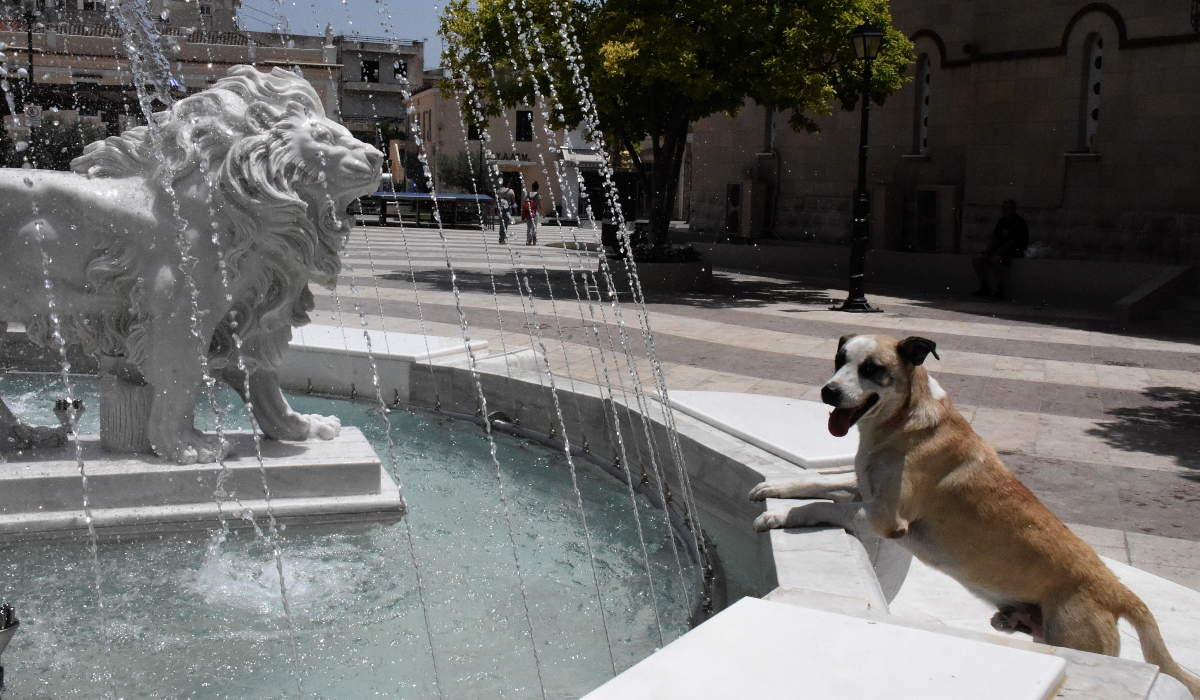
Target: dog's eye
(839, 360)
(871, 369)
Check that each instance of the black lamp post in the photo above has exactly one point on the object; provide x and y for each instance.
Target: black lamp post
(866, 39)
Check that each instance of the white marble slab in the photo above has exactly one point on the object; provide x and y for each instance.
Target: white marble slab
(792, 429)
(342, 478)
(761, 649)
(930, 595)
(383, 344)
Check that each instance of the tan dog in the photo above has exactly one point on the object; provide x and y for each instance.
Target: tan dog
(929, 482)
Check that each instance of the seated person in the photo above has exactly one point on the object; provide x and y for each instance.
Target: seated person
(1009, 240)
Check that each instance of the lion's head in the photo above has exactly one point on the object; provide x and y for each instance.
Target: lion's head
(280, 174)
(282, 171)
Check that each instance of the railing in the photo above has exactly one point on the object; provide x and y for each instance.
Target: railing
(378, 40)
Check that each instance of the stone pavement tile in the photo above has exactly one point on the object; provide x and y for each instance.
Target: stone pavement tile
(1066, 437)
(1073, 491)
(685, 377)
(1156, 359)
(1165, 551)
(1158, 503)
(1129, 378)
(774, 387)
(963, 389)
(1007, 431)
(1183, 576)
(1173, 378)
(1012, 395)
(1074, 373)
(1022, 368)
(724, 381)
(1076, 401)
(754, 363)
(1106, 541)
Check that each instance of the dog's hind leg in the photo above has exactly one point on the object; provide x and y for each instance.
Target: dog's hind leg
(1080, 622)
(835, 487)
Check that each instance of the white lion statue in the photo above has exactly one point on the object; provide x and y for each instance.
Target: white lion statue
(126, 252)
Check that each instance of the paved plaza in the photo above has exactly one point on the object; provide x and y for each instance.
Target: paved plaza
(1100, 419)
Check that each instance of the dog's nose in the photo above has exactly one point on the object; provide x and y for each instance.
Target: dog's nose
(831, 394)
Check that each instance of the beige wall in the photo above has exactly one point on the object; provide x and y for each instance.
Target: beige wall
(1001, 123)
(439, 119)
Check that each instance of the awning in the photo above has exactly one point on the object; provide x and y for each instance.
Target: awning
(585, 160)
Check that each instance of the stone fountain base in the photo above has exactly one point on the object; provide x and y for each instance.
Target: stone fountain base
(333, 480)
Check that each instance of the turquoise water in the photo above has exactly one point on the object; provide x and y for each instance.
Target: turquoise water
(191, 620)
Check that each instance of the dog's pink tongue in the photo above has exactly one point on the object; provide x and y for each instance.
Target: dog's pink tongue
(839, 421)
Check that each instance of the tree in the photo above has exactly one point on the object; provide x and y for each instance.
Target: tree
(459, 172)
(656, 66)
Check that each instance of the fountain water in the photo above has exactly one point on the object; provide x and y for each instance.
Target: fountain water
(206, 247)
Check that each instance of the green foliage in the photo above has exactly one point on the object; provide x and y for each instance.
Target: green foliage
(51, 146)
(458, 173)
(650, 62)
(655, 66)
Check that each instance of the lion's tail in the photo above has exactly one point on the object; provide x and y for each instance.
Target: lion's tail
(1154, 649)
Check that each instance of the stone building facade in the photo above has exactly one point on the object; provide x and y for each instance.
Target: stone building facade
(1085, 113)
(522, 148)
(377, 74)
(81, 68)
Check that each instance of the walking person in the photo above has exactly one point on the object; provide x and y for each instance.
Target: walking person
(531, 209)
(1010, 238)
(504, 206)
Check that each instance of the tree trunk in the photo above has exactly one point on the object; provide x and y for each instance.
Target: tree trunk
(668, 157)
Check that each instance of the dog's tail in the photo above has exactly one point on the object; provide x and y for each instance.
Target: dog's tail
(1154, 649)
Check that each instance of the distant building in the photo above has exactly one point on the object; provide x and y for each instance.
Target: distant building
(376, 76)
(1085, 113)
(81, 68)
(520, 146)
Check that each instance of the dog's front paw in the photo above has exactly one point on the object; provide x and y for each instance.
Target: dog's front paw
(764, 491)
(770, 520)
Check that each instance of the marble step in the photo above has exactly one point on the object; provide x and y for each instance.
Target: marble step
(343, 477)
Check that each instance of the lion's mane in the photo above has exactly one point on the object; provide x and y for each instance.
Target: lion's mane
(235, 135)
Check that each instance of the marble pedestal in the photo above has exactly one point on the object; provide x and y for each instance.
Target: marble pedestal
(339, 479)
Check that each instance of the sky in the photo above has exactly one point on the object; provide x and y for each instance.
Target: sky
(409, 19)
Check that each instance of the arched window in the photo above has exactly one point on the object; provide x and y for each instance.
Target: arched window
(921, 113)
(1090, 102)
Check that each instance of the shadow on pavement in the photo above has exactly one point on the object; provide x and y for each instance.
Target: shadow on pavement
(728, 291)
(1169, 427)
(737, 292)
(562, 282)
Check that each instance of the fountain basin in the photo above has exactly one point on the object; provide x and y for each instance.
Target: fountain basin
(340, 478)
(193, 618)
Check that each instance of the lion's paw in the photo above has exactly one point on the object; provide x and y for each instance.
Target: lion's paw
(323, 427)
(197, 448)
(770, 520)
(35, 436)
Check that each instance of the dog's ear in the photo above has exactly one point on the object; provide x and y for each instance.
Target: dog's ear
(915, 349)
(844, 339)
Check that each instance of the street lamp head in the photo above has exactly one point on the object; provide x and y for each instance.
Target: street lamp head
(867, 39)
